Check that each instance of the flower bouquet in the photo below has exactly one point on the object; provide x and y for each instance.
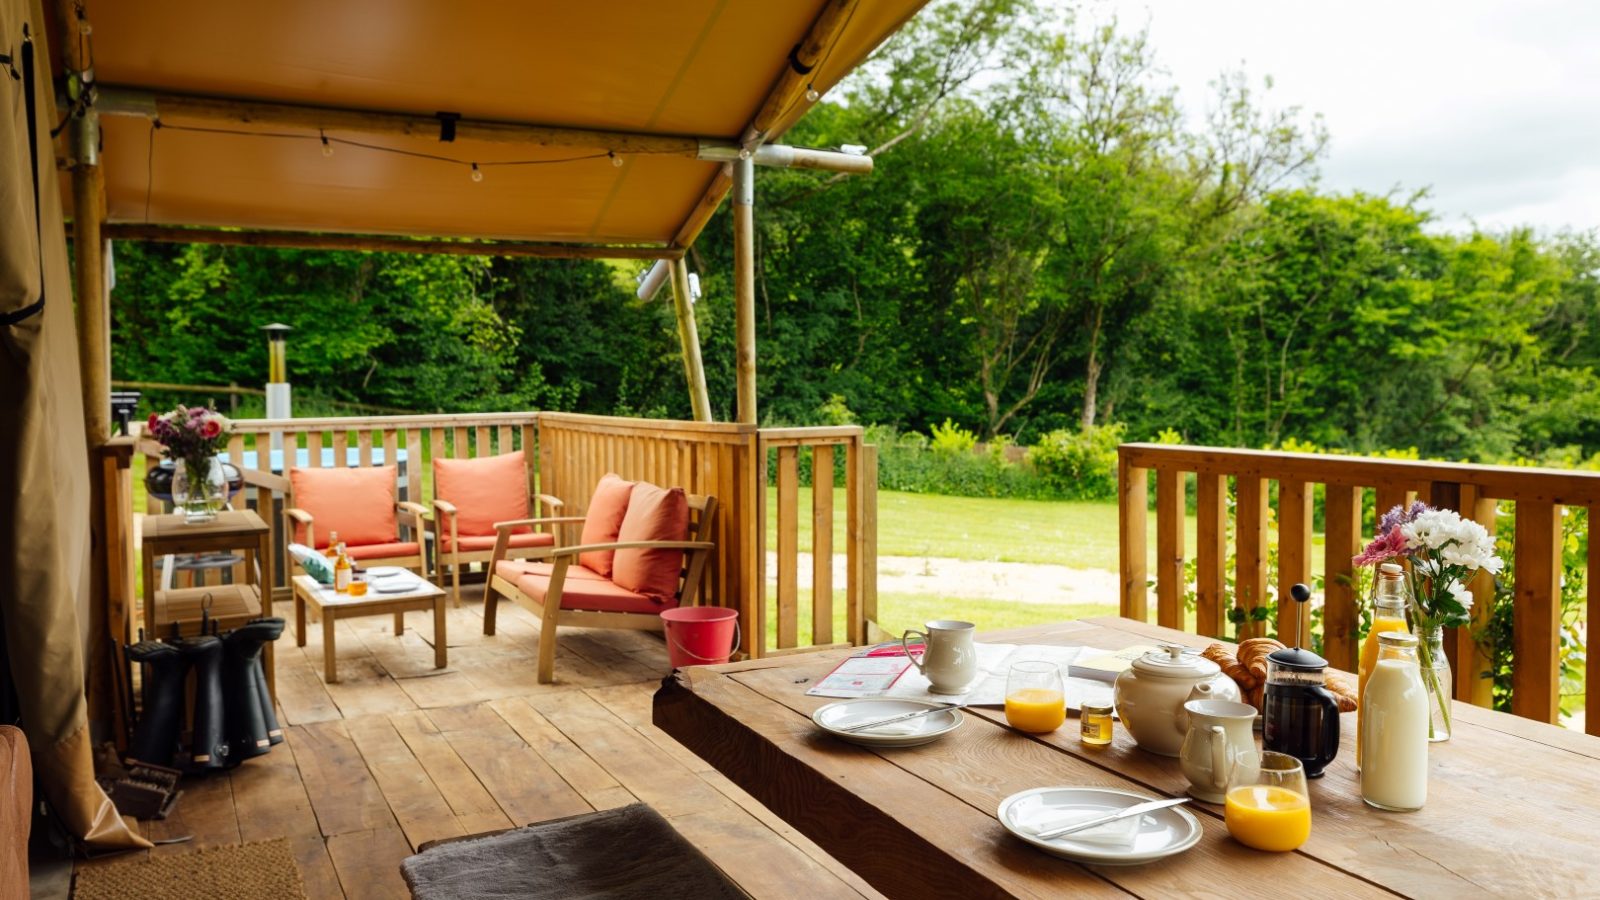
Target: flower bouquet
(1446, 552)
(191, 437)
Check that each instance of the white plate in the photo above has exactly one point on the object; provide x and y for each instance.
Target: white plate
(395, 585)
(836, 716)
(1162, 833)
(385, 571)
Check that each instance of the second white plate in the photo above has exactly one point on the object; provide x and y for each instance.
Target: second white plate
(1162, 833)
(835, 717)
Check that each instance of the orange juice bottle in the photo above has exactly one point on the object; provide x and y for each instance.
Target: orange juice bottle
(342, 570)
(1389, 614)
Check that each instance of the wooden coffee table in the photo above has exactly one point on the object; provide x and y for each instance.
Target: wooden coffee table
(333, 606)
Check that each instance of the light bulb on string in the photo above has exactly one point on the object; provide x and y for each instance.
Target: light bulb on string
(477, 173)
(615, 159)
(812, 94)
(327, 148)
(744, 152)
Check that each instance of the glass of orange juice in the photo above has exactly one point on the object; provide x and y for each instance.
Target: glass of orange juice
(1267, 806)
(358, 584)
(1035, 700)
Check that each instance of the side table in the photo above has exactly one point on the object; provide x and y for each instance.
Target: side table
(332, 606)
(231, 605)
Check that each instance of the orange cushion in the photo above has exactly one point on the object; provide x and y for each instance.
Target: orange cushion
(654, 514)
(603, 521)
(470, 542)
(594, 594)
(382, 551)
(485, 490)
(358, 503)
(516, 568)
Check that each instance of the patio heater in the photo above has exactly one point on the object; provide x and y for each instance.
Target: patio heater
(278, 406)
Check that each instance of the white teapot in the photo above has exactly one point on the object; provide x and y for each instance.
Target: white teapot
(1150, 695)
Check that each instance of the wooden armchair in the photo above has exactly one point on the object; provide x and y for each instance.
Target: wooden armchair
(470, 497)
(560, 586)
(360, 504)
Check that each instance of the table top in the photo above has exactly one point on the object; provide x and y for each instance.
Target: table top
(228, 523)
(1512, 803)
(322, 595)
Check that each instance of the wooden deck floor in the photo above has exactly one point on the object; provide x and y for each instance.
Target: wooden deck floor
(398, 753)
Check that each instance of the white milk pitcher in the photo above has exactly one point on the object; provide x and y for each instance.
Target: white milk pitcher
(1220, 738)
(949, 659)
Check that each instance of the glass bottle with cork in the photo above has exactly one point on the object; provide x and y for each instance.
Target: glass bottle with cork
(1394, 727)
(1388, 614)
(342, 571)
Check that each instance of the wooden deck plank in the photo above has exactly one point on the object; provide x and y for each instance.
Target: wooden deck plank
(368, 863)
(763, 863)
(417, 804)
(205, 811)
(270, 801)
(521, 782)
(471, 802)
(631, 704)
(344, 795)
(586, 776)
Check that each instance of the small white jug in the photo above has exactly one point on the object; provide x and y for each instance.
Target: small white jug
(949, 659)
(1219, 738)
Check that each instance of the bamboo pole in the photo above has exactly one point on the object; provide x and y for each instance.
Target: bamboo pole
(372, 243)
(744, 287)
(694, 371)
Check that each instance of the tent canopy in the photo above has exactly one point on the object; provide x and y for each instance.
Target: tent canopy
(699, 69)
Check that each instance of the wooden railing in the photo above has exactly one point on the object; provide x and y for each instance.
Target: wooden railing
(1539, 496)
(570, 454)
(860, 539)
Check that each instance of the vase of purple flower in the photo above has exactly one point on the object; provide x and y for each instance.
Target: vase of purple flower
(191, 437)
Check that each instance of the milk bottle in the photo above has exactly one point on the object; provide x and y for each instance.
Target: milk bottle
(1394, 727)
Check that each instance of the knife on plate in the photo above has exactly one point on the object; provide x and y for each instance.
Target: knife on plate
(900, 718)
(1137, 809)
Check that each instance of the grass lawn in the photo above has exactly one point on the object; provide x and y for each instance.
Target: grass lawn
(897, 612)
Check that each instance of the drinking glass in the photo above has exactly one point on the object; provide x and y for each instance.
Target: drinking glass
(1267, 806)
(1035, 699)
(358, 584)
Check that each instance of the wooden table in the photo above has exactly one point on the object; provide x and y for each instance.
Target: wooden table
(332, 606)
(1513, 805)
(229, 605)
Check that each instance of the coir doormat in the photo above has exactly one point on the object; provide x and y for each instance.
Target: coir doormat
(264, 870)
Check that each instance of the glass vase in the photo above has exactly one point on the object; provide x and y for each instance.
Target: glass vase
(198, 489)
(1437, 679)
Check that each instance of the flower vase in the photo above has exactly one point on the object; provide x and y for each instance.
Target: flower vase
(198, 489)
(1437, 679)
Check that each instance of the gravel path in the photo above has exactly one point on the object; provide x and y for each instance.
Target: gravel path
(1017, 582)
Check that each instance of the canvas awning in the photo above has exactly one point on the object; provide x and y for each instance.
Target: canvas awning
(633, 69)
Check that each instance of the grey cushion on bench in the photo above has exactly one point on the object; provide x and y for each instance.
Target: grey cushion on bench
(631, 852)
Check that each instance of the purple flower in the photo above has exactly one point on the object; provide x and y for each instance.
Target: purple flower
(1399, 515)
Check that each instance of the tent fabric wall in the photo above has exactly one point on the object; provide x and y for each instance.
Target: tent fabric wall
(44, 474)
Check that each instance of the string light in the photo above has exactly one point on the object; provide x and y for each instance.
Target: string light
(812, 94)
(615, 159)
(327, 148)
(744, 152)
(477, 173)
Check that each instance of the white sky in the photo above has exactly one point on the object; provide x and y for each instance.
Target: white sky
(1493, 106)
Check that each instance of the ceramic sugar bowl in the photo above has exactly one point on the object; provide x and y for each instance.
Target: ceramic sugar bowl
(1151, 693)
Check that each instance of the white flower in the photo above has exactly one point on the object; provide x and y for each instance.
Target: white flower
(1462, 595)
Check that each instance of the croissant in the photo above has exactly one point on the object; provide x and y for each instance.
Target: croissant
(1231, 667)
(1248, 669)
(1342, 692)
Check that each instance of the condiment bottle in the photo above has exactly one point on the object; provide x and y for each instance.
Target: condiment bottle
(1388, 614)
(333, 546)
(342, 571)
(1394, 727)
(1094, 723)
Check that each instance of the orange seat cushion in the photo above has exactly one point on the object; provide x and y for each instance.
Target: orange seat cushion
(471, 542)
(593, 594)
(654, 514)
(603, 522)
(358, 503)
(382, 551)
(485, 490)
(512, 569)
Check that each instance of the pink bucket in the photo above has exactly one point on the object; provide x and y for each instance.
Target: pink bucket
(700, 635)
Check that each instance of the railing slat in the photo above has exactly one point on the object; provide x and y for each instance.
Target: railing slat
(460, 448)
(1133, 497)
(1294, 560)
(341, 448)
(364, 448)
(1341, 607)
(481, 442)
(822, 545)
(1250, 548)
(1591, 689)
(314, 441)
(855, 525)
(1470, 661)
(503, 440)
(866, 618)
(788, 546)
(414, 466)
(1388, 497)
(1169, 547)
(1537, 611)
(1211, 554)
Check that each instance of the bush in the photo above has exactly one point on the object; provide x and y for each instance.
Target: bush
(953, 439)
(1079, 465)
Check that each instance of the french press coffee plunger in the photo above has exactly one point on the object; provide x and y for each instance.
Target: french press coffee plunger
(1300, 716)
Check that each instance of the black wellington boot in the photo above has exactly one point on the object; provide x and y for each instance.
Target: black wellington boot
(155, 738)
(246, 721)
(207, 747)
(259, 676)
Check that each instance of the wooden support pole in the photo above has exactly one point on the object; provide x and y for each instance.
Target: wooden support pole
(1250, 549)
(1169, 548)
(1536, 621)
(744, 287)
(1211, 554)
(1133, 498)
(93, 301)
(694, 371)
(1294, 560)
(301, 240)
